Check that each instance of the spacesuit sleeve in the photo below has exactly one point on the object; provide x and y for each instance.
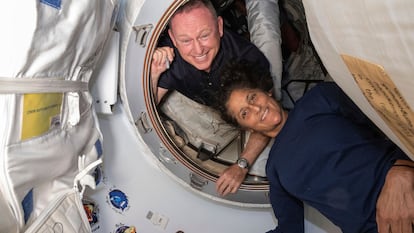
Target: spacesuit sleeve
(288, 210)
(264, 27)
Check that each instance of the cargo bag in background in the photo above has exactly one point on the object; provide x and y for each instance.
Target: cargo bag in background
(202, 128)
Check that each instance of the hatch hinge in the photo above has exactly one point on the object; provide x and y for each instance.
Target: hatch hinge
(143, 124)
(142, 32)
(165, 156)
(197, 181)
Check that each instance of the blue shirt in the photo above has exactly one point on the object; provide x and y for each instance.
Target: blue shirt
(332, 157)
(199, 85)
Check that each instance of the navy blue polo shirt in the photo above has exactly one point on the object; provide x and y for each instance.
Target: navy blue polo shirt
(202, 86)
(332, 157)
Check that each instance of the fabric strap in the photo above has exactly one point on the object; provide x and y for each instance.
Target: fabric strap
(40, 85)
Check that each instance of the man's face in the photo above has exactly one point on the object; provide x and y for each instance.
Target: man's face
(196, 34)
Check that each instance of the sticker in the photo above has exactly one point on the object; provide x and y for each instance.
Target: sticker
(384, 97)
(53, 3)
(41, 112)
(118, 200)
(125, 229)
(92, 212)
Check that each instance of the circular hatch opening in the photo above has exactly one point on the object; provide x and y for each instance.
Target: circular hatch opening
(189, 139)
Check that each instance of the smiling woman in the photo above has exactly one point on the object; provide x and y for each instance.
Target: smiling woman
(254, 109)
(243, 101)
(341, 175)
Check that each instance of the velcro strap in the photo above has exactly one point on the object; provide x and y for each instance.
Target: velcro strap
(40, 85)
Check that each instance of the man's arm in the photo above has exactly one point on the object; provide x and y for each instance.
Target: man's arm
(231, 179)
(395, 205)
(161, 60)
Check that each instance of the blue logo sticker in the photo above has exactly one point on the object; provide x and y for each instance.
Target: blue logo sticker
(53, 3)
(118, 199)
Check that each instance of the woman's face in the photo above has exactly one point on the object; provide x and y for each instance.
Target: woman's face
(256, 110)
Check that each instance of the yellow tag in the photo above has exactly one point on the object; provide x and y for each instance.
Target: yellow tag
(384, 97)
(40, 113)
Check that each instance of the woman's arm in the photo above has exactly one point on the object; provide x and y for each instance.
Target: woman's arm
(288, 210)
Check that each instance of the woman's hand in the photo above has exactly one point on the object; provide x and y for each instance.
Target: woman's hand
(395, 205)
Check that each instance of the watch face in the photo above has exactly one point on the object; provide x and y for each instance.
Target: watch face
(242, 162)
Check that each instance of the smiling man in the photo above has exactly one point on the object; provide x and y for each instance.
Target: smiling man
(189, 60)
(197, 47)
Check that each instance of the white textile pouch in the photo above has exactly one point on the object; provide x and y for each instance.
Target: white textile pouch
(203, 126)
(66, 213)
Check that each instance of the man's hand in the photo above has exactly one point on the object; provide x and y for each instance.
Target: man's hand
(161, 60)
(395, 205)
(230, 180)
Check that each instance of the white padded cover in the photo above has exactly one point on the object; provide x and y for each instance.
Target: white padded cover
(367, 47)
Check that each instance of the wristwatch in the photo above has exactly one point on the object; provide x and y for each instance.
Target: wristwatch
(242, 162)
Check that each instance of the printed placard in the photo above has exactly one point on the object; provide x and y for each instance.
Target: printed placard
(41, 112)
(385, 98)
